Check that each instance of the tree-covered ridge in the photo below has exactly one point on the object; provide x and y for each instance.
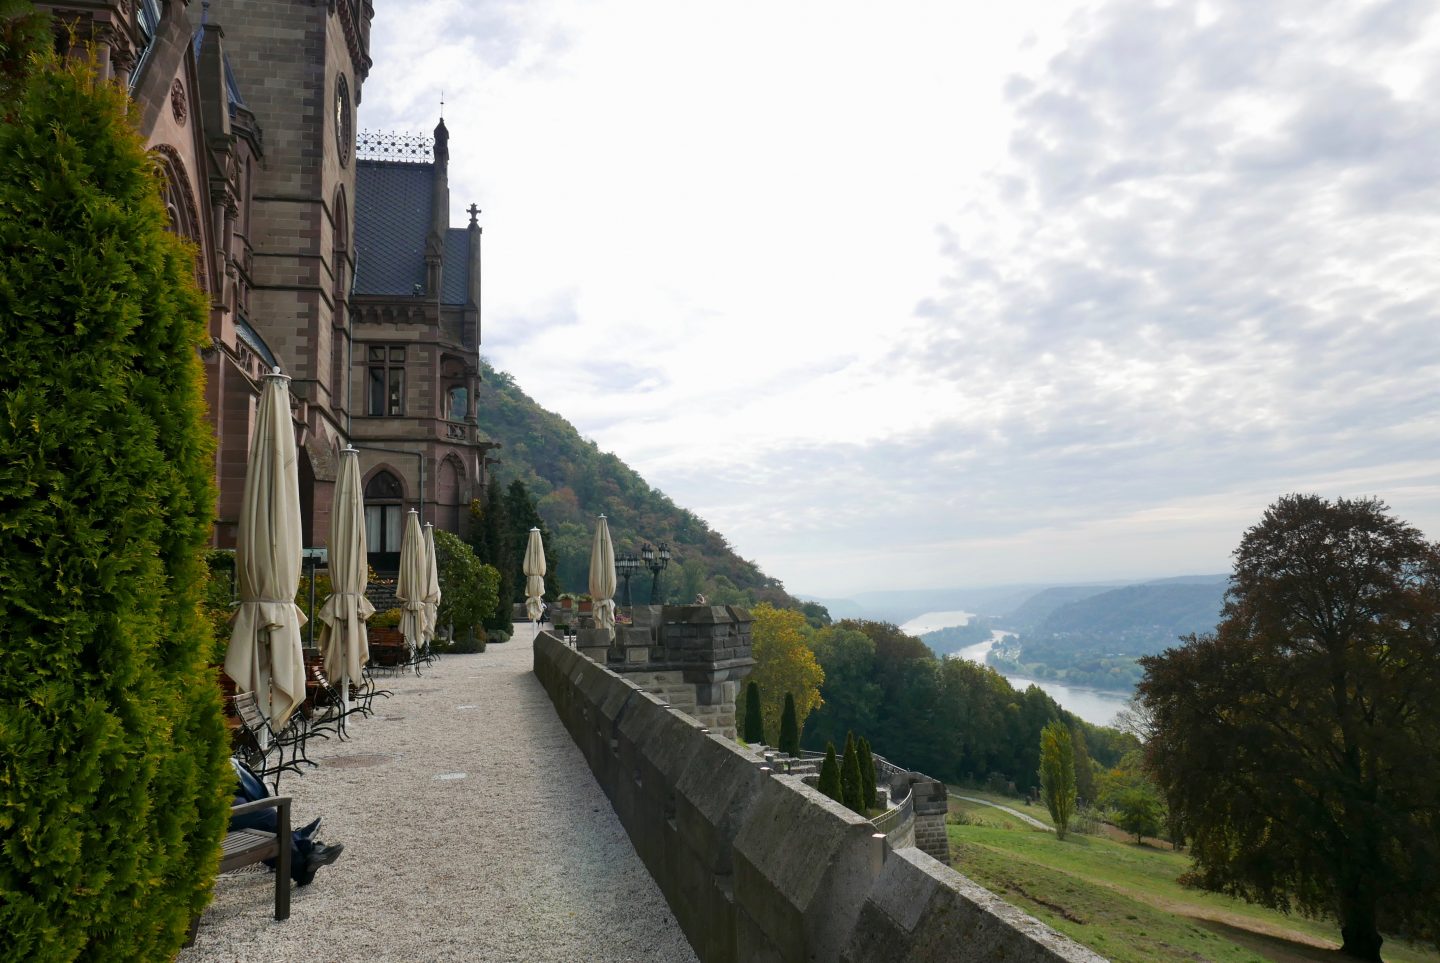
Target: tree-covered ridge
(574, 481)
(948, 718)
(1097, 639)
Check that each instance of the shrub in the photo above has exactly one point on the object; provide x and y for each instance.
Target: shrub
(754, 725)
(469, 590)
(472, 641)
(851, 791)
(867, 773)
(830, 774)
(497, 636)
(113, 779)
(219, 593)
(789, 729)
(388, 619)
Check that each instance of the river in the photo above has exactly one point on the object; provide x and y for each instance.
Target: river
(1096, 706)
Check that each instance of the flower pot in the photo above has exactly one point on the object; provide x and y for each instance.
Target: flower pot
(386, 636)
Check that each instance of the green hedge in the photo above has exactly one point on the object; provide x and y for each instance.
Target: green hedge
(113, 781)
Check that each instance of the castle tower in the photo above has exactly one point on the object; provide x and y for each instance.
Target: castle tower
(302, 64)
(415, 312)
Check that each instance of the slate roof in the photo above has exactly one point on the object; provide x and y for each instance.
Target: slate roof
(392, 218)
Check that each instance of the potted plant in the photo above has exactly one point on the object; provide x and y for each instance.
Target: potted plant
(385, 628)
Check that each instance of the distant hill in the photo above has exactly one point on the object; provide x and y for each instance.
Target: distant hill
(1096, 638)
(901, 605)
(1038, 607)
(1162, 610)
(574, 481)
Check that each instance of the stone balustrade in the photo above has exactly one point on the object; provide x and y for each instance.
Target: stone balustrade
(758, 866)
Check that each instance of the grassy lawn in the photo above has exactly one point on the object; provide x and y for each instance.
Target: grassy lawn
(1122, 901)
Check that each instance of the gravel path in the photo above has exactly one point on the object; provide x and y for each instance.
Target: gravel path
(1014, 812)
(521, 859)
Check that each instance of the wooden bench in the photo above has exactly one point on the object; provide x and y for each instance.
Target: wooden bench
(244, 847)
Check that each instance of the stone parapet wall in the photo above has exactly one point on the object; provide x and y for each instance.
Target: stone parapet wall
(758, 866)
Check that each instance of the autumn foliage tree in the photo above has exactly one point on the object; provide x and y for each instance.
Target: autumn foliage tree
(1300, 743)
(784, 663)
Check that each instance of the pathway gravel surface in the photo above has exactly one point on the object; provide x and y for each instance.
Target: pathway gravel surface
(473, 831)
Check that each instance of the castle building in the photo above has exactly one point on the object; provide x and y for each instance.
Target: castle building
(415, 310)
(249, 107)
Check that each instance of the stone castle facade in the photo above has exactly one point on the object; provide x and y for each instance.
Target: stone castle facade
(251, 120)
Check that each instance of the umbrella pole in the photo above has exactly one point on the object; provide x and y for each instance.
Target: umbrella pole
(265, 697)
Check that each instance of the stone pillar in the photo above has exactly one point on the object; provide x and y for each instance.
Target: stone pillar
(705, 647)
(932, 803)
(711, 646)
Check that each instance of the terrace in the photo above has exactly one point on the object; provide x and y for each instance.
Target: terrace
(473, 830)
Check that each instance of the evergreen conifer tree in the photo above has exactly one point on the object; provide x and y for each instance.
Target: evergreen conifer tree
(789, 729)
(114, 783)
(867, 773)
(830, 774)
(851, 791)
(754, 725)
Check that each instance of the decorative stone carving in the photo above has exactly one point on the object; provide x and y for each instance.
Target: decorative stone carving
(178, 105)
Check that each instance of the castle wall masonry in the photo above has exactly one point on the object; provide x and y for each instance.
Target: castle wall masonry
(761, 867)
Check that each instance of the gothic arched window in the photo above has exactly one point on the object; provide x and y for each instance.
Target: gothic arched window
(384, 520)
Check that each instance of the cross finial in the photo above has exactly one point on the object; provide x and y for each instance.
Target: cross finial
(474, 212)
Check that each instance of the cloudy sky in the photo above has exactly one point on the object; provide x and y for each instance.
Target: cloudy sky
(931, 294)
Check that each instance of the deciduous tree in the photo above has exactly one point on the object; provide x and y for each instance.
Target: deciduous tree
(784, 664)
(1300, 743)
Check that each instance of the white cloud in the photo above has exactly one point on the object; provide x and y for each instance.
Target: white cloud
(1065, 291)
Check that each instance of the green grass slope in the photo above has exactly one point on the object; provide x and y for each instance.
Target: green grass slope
(1123, 901)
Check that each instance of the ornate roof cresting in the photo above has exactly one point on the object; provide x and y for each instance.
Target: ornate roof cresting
(408, 148)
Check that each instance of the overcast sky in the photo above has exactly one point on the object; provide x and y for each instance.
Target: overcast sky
(933, 294)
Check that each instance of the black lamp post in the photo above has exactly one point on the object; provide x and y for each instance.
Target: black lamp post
(655, 561)
(626, 565)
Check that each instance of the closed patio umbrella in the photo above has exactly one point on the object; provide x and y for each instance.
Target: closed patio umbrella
(602, 578)
(410, 586)
(343, 638)
(264, 654)
(432, 585)
(534, 569)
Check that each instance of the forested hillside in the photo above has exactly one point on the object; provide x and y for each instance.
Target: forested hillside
(1095, 640)
(574, 481)
(949, 718)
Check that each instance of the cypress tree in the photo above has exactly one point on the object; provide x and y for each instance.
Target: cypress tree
(830, 774)
(789, 730)
(1057, 775)
(754, 724)
(114, 783)
(867, 773)
(851, 793)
